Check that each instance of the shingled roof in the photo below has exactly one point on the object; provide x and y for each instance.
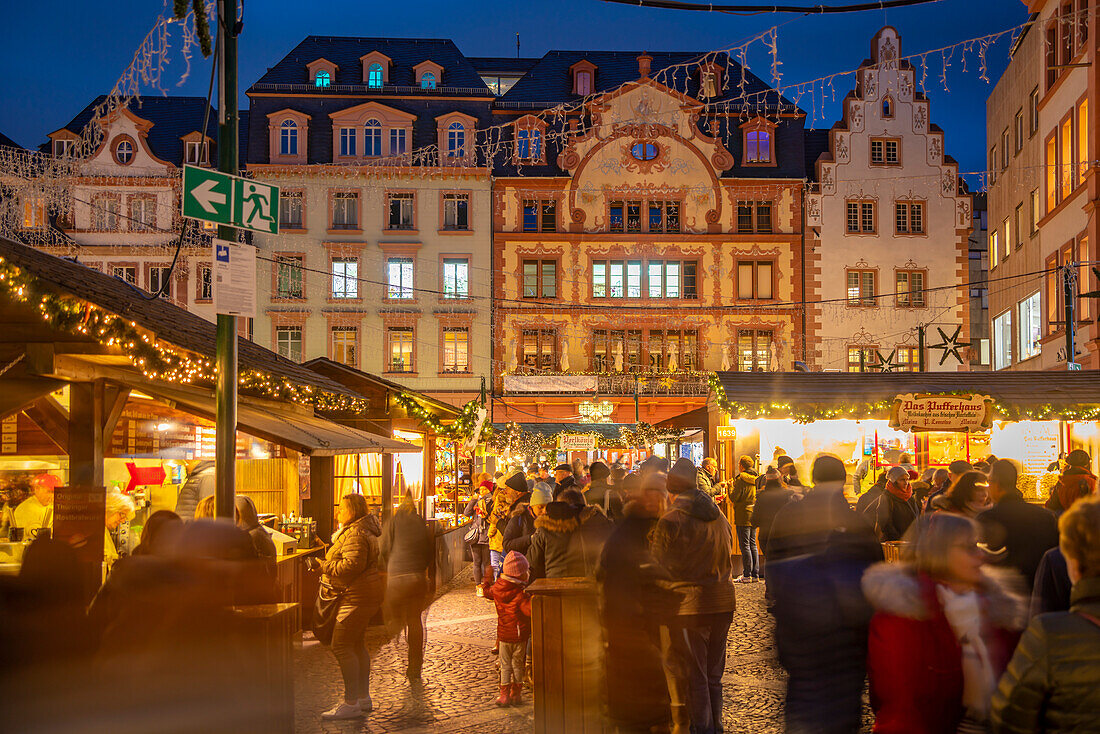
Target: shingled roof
(172, 118)
(7, 142)
(167, 321)
(346, 52)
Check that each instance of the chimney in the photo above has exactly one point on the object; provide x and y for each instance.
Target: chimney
(643, 65)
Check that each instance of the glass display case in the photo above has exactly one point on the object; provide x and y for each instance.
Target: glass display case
(454, 464)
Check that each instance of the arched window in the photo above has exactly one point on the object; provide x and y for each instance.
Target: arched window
(583, 83)
(322, 78)
(887, 107)
(456, 140)
(124, 152)
(372, 138)
(374, 76)
(529, 144)
(288, 138)
(758, 146)
(427, 81)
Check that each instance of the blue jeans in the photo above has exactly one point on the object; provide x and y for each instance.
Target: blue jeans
(750, 554)
(497, 559)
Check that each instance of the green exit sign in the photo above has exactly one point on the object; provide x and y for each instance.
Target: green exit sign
(213, 196)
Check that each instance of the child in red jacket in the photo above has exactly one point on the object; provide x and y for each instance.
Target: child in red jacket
(513, 624)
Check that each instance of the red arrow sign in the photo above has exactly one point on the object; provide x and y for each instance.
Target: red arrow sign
(143, 475)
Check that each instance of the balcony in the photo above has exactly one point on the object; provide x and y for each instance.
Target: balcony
(674, 384)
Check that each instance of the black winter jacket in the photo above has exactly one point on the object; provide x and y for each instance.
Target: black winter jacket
(1025, 530)
(567, 541)
(768, 503)
(892, 515)
(408, 545)
(517, 534)
(199, 484)
(693, 542)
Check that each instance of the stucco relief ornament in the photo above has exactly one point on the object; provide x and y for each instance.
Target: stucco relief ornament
(934, 150)
(610, 166)
(842, 148)
(678, 166)
(948, 183)
(964, 212)
(828, 184)
(920, 118)
(906, 87)
(870, 85)
(645, 110)
(857, 116)
(815, 209)
(887, 52)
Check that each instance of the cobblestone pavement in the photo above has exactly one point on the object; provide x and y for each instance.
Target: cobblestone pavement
(460, 675)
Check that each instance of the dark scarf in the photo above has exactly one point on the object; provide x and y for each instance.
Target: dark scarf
(903, 495)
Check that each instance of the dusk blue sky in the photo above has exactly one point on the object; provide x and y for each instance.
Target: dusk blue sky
(58, 55)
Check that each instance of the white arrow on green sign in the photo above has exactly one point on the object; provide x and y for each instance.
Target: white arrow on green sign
(213, 196)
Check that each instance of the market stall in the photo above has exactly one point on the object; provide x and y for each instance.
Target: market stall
(933, 418)
(626, 444)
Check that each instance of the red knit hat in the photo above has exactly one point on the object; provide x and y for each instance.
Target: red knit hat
(515, 565)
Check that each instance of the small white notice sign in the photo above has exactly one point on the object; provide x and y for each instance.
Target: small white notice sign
(234, 278)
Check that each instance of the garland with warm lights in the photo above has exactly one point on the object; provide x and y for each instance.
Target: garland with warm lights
(803, 413)
(460, 428)
(155, 359)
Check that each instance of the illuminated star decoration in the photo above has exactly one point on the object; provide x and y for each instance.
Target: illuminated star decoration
(950, 344)
(887, 364)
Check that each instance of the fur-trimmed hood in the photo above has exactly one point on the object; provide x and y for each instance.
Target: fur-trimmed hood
(560, 517)
(895, 588)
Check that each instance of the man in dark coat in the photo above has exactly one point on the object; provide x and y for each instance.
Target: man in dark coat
(954, 471)
(693, 543)
(568, 538)
(600, 492)
(563, 479)
(1074, 483)
(408, 552)
(817, 553)
(633, 603)
(1025, 531)
(769, 500)
(896, 508)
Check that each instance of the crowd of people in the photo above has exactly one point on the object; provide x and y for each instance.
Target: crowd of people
(985, 618)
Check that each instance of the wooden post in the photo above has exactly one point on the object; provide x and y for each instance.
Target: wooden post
(567, 644)
(86, 420)
(387, 486)
(322, 500)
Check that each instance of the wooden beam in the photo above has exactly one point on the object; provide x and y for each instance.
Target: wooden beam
(114, 402)
(54, 421)
(17, 393)
(86, 433)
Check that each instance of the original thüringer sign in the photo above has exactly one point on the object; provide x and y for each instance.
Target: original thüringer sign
(941, 412)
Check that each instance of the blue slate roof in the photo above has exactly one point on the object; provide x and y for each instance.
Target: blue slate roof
(8, 142)
(817, 142)
(172, 118)
(404, 53)
(502, 64)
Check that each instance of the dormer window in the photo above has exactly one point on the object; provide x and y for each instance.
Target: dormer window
(321, 73)
(708, 84)
(428, 75)
(63, 148)
(584, 77)
(427, 81)
(887, 108)
(124, 150)
(288, 138)
(374, 76)
(759, 142)
(322, 79)
(196, 153)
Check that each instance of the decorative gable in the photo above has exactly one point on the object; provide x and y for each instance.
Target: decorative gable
(429, 75)
(583, 76)
(380, 62)
(125, 137)
(322, 73)
(288, 133)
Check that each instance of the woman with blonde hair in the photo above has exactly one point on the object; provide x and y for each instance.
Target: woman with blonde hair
(1053, 681)
(351, 573)
(942, 632)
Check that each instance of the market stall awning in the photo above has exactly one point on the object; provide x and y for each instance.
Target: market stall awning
(603, 430)
(1036, 395)
(696, 418)
(294, 428)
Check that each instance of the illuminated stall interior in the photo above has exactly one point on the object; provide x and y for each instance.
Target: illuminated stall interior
(1035, 418)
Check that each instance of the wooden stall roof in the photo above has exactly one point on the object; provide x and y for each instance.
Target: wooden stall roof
(364, 383)
(167, 321)
(839, 389)
(604, 430)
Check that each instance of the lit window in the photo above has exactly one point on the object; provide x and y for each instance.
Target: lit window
(456, 278)
(372, 138)
(909, 288)
(644, 151)
(374, 76)
(124, 152)
(862, 359)
(456, 140)
(582, 83)
(861, 288)
(672, 279)
(345, 341)
(427, 81)
(456, 349)
(288, 138)
(345, 277)
(758, 146)
(399, 278)
(401, 349)
(34, 213)
(672, 350)
(708, 84)
(1002, 341)
(539, 349)
(1030, 326)
(619, 351)
(288, 342)
(322, 79)
(754, 349)
(907, 359)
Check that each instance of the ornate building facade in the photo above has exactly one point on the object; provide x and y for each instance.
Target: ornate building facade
(645, 235)
(887, 224)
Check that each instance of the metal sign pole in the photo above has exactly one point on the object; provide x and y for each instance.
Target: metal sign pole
(225, 452)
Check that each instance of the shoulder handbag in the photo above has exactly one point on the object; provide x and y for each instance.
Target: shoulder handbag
(325, 608)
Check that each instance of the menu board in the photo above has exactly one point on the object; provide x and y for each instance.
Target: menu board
(78, 519)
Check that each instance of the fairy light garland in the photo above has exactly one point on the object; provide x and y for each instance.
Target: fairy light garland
(460, 428)
(153, 358)
(803, 413)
